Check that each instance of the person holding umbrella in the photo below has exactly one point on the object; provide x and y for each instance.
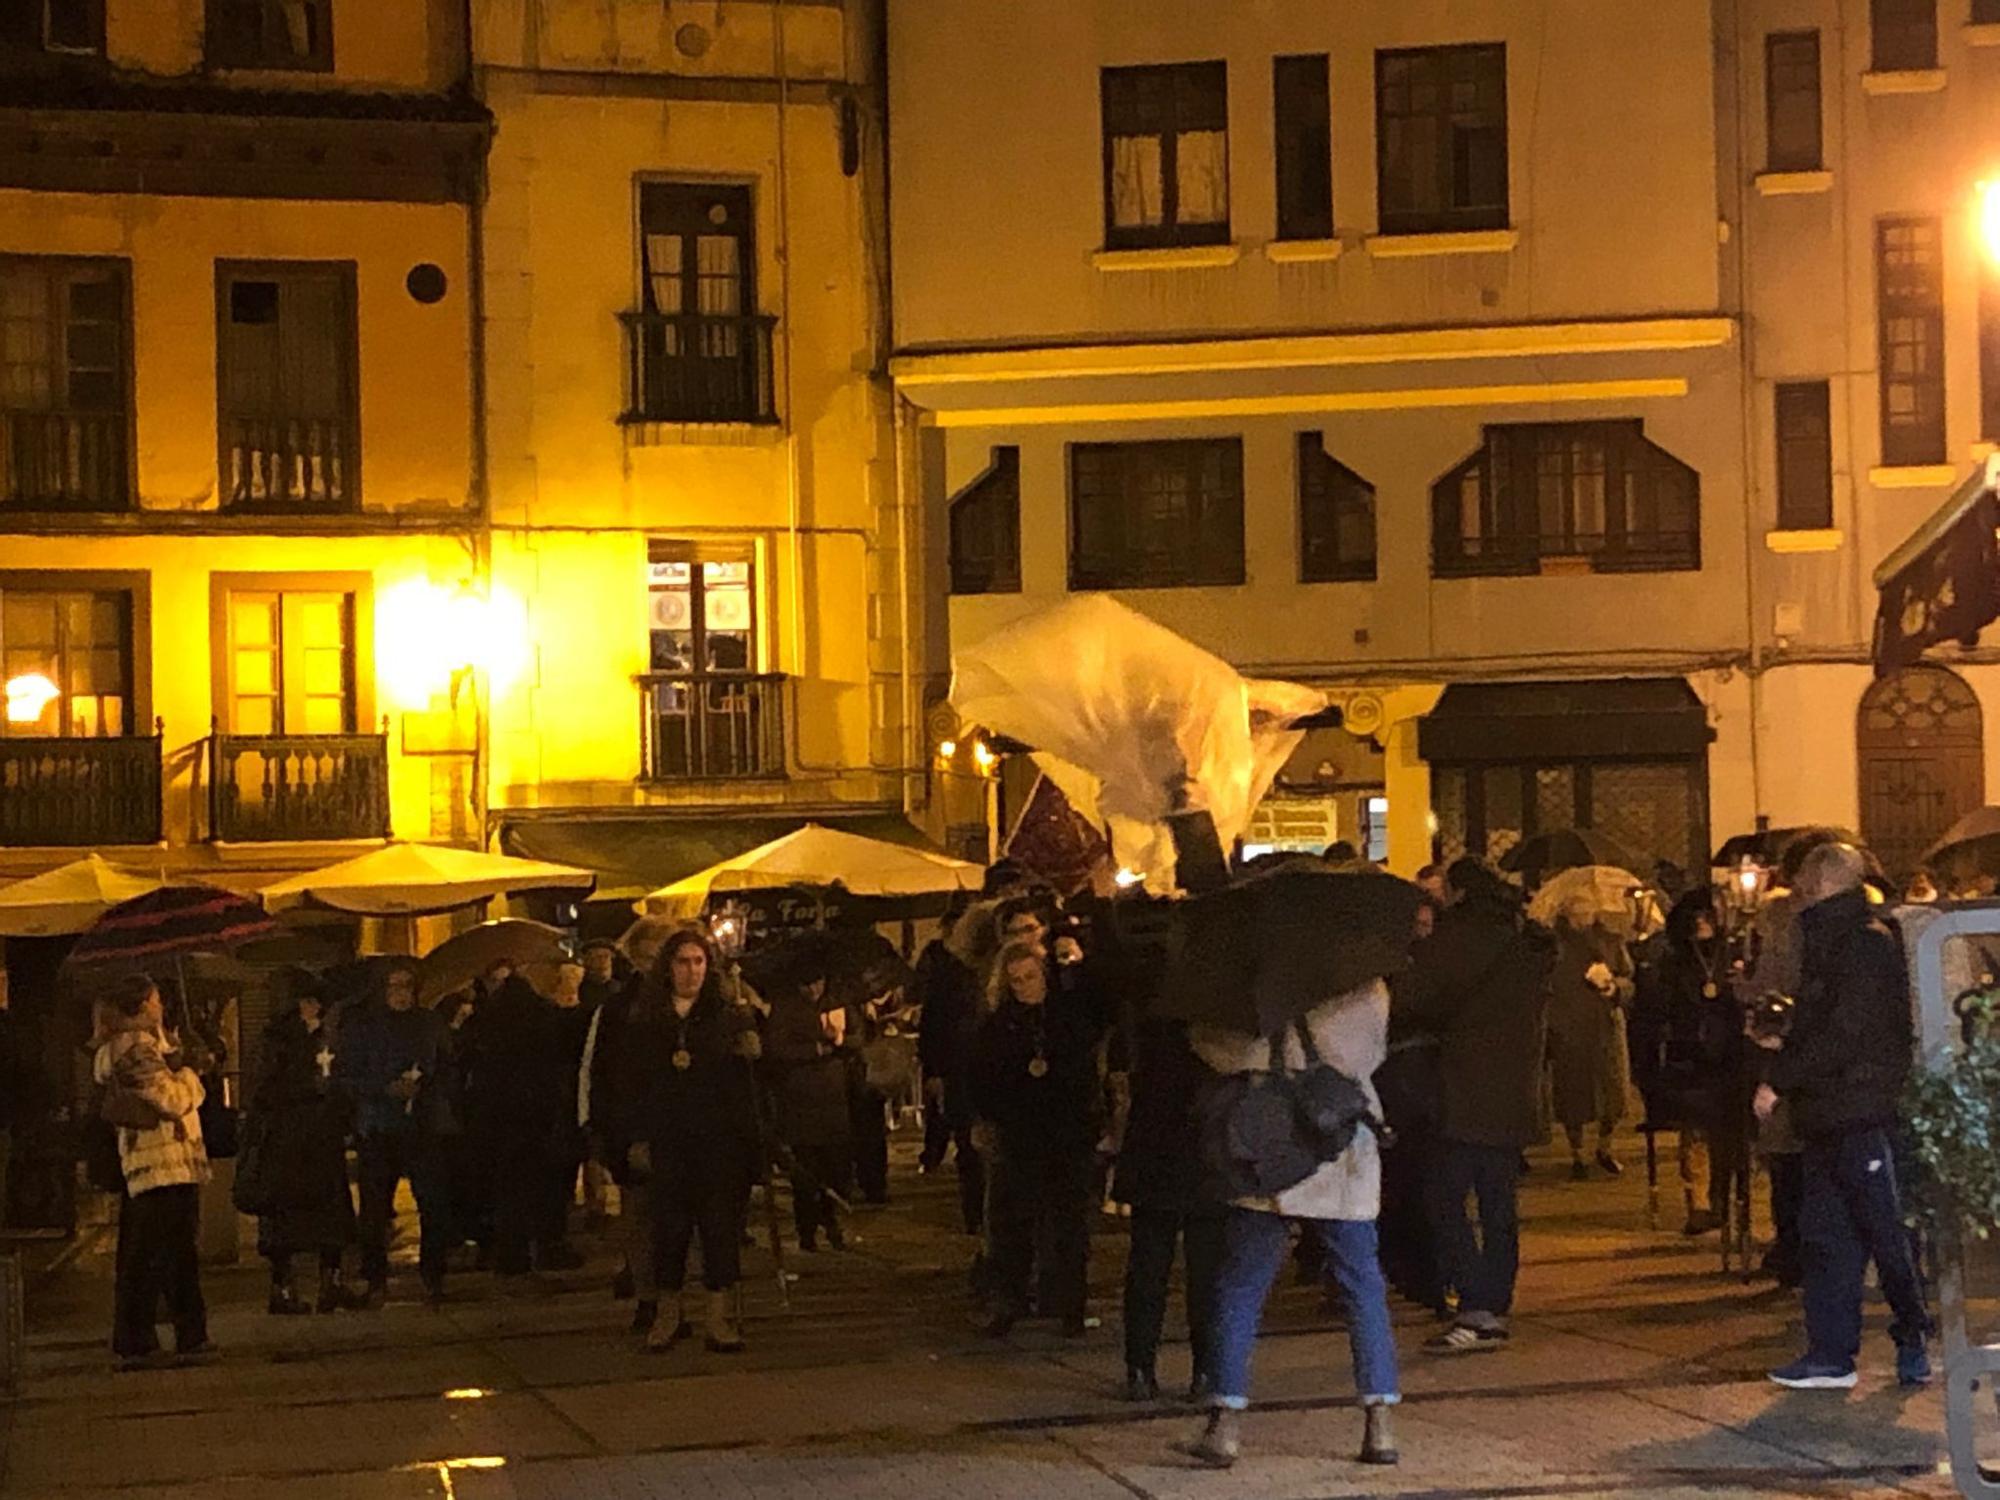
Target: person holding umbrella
(1591, 988)
(805, 1056)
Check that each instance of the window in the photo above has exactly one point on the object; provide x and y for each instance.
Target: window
(73, 26)
(986, 529)
(699, 352)
(1805, 457)
(1791, 102)
(292, 35)
(1903, 35)
(702, 608)
(1156, 515)
(1166, 155)
(1441, 139)
(291, 662)
(1600, 493)
(81, 641)
(1336, 517)
(63, 391)
(1304, 147)
(1909, 307)
(707, 711)
(1985, 12)
(286, 385)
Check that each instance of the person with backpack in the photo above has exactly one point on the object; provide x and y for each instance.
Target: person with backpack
(1336, 1202)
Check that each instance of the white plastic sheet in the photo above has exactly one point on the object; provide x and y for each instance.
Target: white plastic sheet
(1132, 721)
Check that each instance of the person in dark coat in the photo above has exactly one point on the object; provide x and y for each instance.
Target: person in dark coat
(606, 1112)
(569, 1149)
(806, 1059)
(392, 1060)
(1842, 1069)
(298, 1122)
(684, 1077)
(948, 988)
(515, 1101)
(1035, 1085)
(1480, 985)
(1588, 994)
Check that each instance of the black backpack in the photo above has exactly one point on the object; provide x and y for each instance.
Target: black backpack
(1264, 1133)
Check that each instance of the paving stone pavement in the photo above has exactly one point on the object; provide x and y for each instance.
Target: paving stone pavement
(1637, 1368)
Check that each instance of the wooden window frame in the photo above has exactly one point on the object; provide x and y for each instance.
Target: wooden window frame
(696, 552)
(1326, 487)
(1915, 308)
(1902, 35)
(1182, 83)
(93, 19)
(1451, 217)
(118, 271)
(1202, 566)
(995, 493)
(137, 586)
(1302, 136)
(1784, 155)
(220, 53)
(360, 589)
(1804, 455)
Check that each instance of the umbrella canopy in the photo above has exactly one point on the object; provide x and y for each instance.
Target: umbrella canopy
(514, 941)
(858, 963)
(171, 921)
(1598, 896)
(1535, 859)
(401, 880)
(1767, 846)
(819, 856)
(1257, 953)
(1970, 847)
(68, 899)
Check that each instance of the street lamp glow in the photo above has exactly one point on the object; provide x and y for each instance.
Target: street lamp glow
(982, 755)
(28, 696)
(1126, 879)
(1989, 219)
(947, 749)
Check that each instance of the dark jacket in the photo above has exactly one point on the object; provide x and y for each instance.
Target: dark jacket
(1687, 1044)
(1844, 1064)
(1160, 1163)
(19, 1077)
(514, 1050)
(701, 1117)
(1058, 1114)
(1480, 985)
(373, 1047)
(808, 1074)
(299, 1121)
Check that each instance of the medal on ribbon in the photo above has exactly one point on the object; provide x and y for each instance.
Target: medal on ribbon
(683, 1059)
(1038, 1067)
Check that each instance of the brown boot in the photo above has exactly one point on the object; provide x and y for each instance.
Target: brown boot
(1378, 1438)
(723, 1335)
(1220, 1441)
(669, 1325)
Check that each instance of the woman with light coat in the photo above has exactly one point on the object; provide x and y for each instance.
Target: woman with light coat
(1339, 1203)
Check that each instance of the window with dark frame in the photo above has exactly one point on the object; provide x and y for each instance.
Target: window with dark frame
(1166, 155)
(1986, 12)
(708, 711)
(290, 668)
(1903, 35)
(1600, 494)
(1805, 456)
(1791, 102)
(73, 26)
(701, 352)
(1163, 514)
(81, 640)
(1909, 305)
(65, 406)
(294, 36)
(1336, 517)
(1441, 139)
(286, 386)
(1303, 110)
(985, 522)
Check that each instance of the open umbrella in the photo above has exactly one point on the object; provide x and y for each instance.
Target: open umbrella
(1269, 947)
(1767, 846)
(403, 880)
(1970, 847)
(816, 856)
(172, 921)
(858, 963)
(69, 898)
(462, 958)
(1598, 896)
(1536, 858)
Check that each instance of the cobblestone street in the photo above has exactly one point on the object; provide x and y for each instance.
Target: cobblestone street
(1636, 1368)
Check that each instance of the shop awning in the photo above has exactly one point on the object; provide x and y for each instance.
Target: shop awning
(634, 853)
(1653, 718)
(1943, 583)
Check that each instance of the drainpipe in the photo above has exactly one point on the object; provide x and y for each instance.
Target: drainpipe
(480, 497)
(1747, 402)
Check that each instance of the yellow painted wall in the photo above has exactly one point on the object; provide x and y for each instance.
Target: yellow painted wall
(377, 44)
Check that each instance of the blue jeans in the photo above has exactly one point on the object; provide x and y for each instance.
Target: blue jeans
(1853, 1214)
(1483, 1271)
(1254, 1249)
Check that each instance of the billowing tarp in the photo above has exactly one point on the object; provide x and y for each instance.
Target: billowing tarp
(1132, 721)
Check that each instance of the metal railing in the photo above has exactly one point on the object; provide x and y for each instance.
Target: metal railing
(699, 367)
(55, 460)
(1506, 555)
(271, 788)
(304, 462)
(701, 725)
(75, 792)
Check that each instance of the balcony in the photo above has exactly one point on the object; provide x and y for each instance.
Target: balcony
(712, 726)
(74, 793)
(1518, 556)
(71, 461)
(699, 368)
(288, 464)
(273, 788)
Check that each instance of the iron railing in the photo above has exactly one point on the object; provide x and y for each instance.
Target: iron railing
(1454, 556)
(702, 725)
(270, 788)
(288, 462)
(699, 367)
(58, 460)
(74, 792)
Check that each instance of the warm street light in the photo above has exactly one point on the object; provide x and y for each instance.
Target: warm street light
(28, 696)
(1989, 218)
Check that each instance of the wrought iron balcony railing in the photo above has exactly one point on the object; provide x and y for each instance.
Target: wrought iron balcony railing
(699, 367)
(57, 460)
(288, 463)
(271, 788)
(73, 792)
(1618, 552)
(700, 725)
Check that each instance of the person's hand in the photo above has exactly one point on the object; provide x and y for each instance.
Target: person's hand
(749, 1045)
(403, 1087)
(984, 1137)
(639, 1158)
(1768, 1042)
(934, 1091)
(1068, 950)
(1764, 1102)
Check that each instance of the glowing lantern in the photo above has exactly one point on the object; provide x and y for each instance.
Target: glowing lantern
(29, 696)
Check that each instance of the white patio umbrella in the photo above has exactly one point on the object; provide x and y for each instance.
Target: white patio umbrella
(819, 856)
(406, 880)
(70, 898)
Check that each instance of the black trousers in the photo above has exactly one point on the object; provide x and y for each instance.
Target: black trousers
(690, 1199)
(937, 1138)
(1852, 1214)
(971, 1169)
(384, 1160)
(1788, 1191)
(869, 1112)
(158, 1256)
(818, 1172)
(1408, 1234)
(1045, 1201)
(1149, 1269)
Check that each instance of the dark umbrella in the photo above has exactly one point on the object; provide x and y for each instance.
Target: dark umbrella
(856, 962)
(1970, 847)
(464, 957)
(1535, 859)
(170, 922)
(1269, 947)
(1767, 846)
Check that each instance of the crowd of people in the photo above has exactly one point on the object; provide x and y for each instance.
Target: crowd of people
(1055, 1082)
